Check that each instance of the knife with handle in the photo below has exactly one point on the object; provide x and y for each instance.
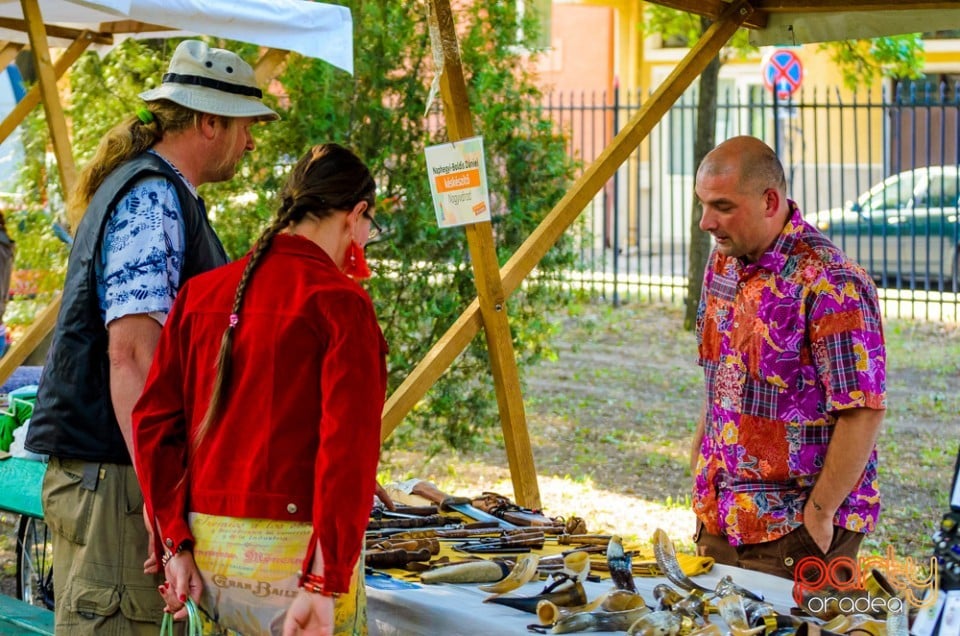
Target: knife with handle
(429, 491)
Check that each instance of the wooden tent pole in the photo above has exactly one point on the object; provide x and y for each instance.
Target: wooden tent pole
(56, 121)
(268, 66)
(32, 98)
(449, 346)
(43, 323)
(486, 270)
(8, 53)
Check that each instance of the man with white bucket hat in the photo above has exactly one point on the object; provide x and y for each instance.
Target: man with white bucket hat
(143, 234)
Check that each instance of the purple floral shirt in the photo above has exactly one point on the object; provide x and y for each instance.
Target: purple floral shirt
(785, 344)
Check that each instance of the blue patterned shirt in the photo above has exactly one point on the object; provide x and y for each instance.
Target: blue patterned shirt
(139, 267)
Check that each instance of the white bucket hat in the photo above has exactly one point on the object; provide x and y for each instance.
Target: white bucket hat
(214, 81)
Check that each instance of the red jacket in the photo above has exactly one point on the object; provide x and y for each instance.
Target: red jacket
(298, 435)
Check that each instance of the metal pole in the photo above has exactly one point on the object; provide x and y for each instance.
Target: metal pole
(616, 200)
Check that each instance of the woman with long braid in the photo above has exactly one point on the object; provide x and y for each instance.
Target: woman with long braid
(258, 431)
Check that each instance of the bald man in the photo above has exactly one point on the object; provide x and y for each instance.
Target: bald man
(790, 340)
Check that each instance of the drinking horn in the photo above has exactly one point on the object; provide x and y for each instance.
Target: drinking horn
(659, 623)
(599, 621)
(732, 609)
(726, 586)
(667, 562)
(468, 572)
(576, 565)
(549, 613)
(524, 571)
(620, 600)
(612, 601)
(571, 594)
(666, 596)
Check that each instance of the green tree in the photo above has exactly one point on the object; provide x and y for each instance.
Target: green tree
(861, 62)
(422, 275)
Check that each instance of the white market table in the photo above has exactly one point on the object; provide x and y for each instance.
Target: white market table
(458, 610)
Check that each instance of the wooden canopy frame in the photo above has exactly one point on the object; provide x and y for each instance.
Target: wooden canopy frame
(494, 284)
(49, 71)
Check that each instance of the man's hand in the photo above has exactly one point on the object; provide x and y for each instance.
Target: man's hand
(384, 496)
(819, 524)
(854, 437)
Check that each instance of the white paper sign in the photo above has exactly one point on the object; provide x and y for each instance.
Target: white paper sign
(458, 182)
(955, 497)
(926, 620)
(950, 623)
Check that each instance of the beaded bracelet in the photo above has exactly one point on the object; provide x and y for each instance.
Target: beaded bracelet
(315, 583)
(185, 546)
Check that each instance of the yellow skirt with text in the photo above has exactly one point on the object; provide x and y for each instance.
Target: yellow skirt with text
(249, 569)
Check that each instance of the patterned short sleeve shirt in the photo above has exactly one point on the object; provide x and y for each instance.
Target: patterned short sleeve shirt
(142, 255)
(786, 343)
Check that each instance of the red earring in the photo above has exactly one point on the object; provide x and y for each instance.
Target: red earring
(356, 265)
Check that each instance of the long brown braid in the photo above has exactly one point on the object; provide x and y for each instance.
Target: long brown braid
(327, 178)
(125, 140)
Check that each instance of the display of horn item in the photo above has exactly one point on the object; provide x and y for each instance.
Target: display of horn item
(618, 561)
(522, 572)
(856, 624)
(620, 600)
(692, 605)
(576, 565)
(745, 616)
(549, 612)
(725, 586)
(468, 572)
(612, 601)
(599, 621)
(660, 623)
(666, 596)
(615, 611)
(667, 562)
(571, 593)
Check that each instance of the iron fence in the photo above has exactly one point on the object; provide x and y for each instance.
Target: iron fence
(878, 174)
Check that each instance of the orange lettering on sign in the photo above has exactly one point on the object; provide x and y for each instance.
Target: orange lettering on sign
(458, 180)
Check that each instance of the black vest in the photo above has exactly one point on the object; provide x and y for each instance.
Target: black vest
(74, 417)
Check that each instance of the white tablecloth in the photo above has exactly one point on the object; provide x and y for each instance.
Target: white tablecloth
(458, 610)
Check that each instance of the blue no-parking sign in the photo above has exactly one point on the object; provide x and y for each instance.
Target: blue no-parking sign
(782, 73)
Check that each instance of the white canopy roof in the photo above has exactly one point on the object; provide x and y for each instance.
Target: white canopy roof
(793, 22)
(799, 28)
(315, 29)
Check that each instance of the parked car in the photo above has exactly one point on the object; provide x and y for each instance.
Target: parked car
(904, 230)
